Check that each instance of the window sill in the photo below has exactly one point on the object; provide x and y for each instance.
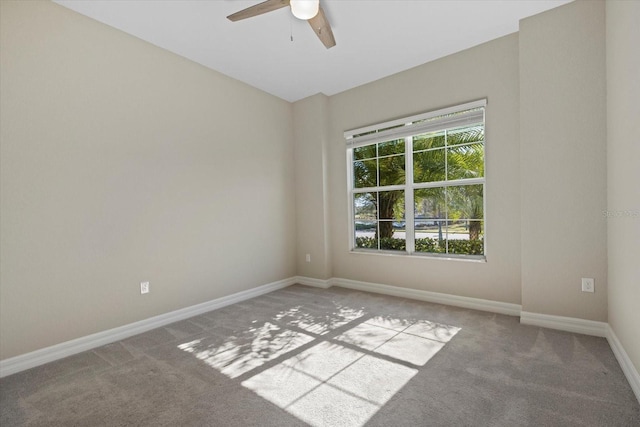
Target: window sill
(444, 257)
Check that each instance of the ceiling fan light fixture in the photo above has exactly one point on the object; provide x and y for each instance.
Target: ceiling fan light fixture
(304, 9)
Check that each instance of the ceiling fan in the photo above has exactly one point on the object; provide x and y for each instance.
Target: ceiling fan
(308, 10)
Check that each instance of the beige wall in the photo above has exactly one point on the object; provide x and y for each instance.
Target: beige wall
(623, 189)
(563, 160)
(310, 125)
(487, 71)
(121, 163)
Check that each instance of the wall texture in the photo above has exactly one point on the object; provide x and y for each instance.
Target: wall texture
(563, 160)
(121, 163)
(623, 190)
(486, 71)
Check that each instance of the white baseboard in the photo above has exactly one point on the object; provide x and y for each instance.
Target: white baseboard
(569, 324)
(69, 348)
(629, 370)
(310, 281)
(455, 300)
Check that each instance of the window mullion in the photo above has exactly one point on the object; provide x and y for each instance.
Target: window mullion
(350, 195)
(378, 195)
(446, 218)
(372, 189)
(452, 183)
(378, 218)
(409, 227)
(446, 154)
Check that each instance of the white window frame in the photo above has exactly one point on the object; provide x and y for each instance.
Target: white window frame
(407, 128)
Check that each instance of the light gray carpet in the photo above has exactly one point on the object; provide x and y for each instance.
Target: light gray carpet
(306, 356)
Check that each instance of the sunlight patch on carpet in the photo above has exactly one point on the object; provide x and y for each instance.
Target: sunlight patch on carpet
(334, 384)
(329, 384)
(413, 342)
(339, 379)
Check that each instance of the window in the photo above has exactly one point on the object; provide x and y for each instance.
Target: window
(417, 184)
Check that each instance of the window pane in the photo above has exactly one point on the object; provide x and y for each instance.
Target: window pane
(392, 170)
(465, 237)
(428, 140)
(367, 242)
(391, 147)
(366, 216)
(366, 228)
(430, 222)
(465, 161)
(395, 239)
(429, 166)
(366, 232)
(429, 203)
(465, 202)
(430, 236)
(391, 205)
(365, 173)
(465, 135)
(364, 206)
(366, 152)
(392, 225)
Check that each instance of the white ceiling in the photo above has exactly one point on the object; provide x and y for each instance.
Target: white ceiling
(375, 38)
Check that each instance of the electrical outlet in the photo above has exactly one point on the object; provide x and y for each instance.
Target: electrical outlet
(144, 287)
(308, 258)
(588, 284)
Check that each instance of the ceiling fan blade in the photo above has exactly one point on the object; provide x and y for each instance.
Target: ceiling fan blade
(321, 27)
(258, 9)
